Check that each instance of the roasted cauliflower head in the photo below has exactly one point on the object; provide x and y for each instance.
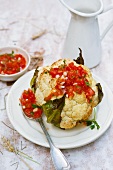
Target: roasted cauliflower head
(67, 92)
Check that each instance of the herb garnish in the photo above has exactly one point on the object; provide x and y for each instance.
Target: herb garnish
(64, 61)
(34, 106)
(32, 113)
(92, 123)
(12, 54)
(87, 83)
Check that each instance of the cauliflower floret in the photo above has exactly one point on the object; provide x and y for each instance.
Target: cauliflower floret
(75, 112)
(68, 123)
(45, 85)
(76, 108)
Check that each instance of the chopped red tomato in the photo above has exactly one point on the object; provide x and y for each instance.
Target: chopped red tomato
(11, 63)
(70, 79)
(56, 71)
(28, 102)
(38, 113)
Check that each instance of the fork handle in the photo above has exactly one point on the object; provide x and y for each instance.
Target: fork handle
(59, 160)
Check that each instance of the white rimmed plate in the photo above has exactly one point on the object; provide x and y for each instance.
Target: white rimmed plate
(63, 139)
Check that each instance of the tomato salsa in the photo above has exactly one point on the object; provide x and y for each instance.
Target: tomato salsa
(29, 106)
(12, 63)
(70, 79)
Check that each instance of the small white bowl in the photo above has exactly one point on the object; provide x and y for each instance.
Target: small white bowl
(17, 50)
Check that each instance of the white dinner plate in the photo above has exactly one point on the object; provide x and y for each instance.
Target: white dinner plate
(63, 139)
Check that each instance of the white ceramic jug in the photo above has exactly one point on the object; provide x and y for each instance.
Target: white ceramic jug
(83, 31)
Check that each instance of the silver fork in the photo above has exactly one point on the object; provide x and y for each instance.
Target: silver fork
(59, 160)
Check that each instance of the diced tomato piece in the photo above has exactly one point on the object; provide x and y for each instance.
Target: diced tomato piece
(71, 74)
(28, 105)
(90, 92)
(28, 112)
(70, 91)
(67, 68)
(38, 113)
(25, 94)
(56, 71)
(68, 82)
(53, 72)
(72, 66)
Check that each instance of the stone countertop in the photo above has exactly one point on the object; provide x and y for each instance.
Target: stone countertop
(20, 22)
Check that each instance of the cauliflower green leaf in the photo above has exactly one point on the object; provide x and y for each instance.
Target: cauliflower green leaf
(53, 109)
(100, 92)
(80, 59)
(33, 80)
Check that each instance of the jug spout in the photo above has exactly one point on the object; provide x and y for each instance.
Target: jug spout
(86, 8)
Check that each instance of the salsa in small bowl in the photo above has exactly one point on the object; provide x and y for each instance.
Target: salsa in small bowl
(14, 62)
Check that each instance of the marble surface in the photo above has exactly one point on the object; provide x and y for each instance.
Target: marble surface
(20, 20)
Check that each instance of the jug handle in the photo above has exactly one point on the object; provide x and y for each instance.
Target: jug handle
(109, 25)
